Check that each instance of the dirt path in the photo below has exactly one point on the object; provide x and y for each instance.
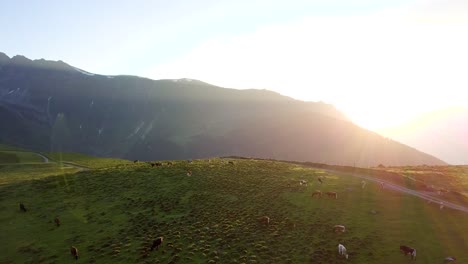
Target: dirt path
(46, 159)
(395, 187)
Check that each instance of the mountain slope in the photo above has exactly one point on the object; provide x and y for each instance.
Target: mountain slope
(54, 106)
(443, 133)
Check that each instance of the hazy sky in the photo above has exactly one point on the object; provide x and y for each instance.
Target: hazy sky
(381, 62)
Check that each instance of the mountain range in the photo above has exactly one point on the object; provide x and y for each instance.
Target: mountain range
(52, 106)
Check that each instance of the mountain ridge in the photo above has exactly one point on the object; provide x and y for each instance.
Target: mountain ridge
(54, 106)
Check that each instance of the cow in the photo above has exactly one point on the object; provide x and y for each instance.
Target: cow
(450, 259)
(170, 163)
(318, 193)
(22, 208)
(342, 251)
(57, 221)
(303, 182)
(332, 194)
(135, 161)
(156, 243)
(264, 220)
(231, 162)
(339, 228)
(407, 250)
(74, 252)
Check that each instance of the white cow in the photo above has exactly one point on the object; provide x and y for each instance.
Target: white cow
(342, 250)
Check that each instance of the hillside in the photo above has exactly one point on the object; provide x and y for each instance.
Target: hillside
(441, 133)
(112, 214)
(52, 106)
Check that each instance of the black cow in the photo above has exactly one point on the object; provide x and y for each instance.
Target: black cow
(22, 208)
(135, 161)
(156, 243)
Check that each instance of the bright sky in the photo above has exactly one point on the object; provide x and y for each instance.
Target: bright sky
(380, 62)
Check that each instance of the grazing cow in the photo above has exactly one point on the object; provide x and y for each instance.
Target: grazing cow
(57, 221)
(189, 173)
(74, 252)
(156, 243)
(303, 182)
(135, 161)
(407, 250)
(22, 208)
(264, 220)
(342, 251)
(332, 194)
(318, 193)
(450, 259)
(339, 228)
(363, 184)
(231, 162)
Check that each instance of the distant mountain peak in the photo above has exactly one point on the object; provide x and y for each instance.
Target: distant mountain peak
(3, 56)
(20, 60)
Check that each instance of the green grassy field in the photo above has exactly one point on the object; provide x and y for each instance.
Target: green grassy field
(19, 157)
(112, 214)
(84, 160)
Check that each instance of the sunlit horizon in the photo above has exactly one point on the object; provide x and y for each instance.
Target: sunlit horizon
(382, 63)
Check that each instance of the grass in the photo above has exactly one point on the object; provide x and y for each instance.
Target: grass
(84, 160)
(111, 215)
(19, 157)
(8, 147)
(19, 173)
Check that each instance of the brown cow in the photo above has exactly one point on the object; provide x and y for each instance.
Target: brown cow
(407, 250)
(264, 220)
(318, 193)
(332, 194)
(74, 252)
(57, 221)
(339, 228)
